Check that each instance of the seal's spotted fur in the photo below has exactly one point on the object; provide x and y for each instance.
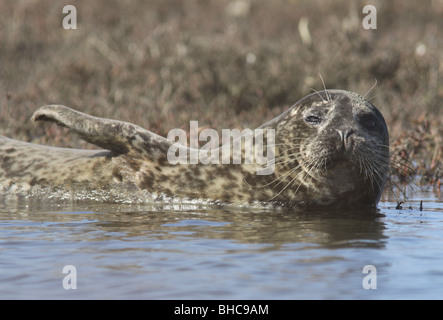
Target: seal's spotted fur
(331, 149)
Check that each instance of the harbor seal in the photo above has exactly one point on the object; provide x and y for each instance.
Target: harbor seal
(331, 149)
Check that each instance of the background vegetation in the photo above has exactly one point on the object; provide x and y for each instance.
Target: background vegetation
(225, 63)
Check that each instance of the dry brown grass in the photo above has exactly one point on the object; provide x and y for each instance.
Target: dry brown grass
(162, 63)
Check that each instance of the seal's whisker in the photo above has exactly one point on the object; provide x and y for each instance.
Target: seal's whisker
(375, 172)
(308, 167)
(373, 86)
(280, 178)
(326, 90)
(281, 144)
(285, 155)
(283, 188)
(402, 161)
(318, 93)
(299, 185)
(404, 169)
(282, 162)
(272, 198)
(284, 159)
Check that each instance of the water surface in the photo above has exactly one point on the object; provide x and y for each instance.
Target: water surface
(123, 251)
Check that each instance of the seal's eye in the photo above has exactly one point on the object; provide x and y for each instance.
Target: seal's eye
(369, 122)
(313, 119)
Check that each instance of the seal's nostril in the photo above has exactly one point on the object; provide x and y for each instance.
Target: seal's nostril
(344, 137)
(344, 134)
(348, 133)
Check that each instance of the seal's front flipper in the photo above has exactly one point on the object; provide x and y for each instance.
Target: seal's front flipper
(116, 136)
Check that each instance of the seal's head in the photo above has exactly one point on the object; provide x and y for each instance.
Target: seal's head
(333, 149)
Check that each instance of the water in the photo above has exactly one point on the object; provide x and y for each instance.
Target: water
(139, 252)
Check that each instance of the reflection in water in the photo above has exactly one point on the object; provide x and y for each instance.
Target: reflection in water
(190, 251)
(272, 227)
(277, 229)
